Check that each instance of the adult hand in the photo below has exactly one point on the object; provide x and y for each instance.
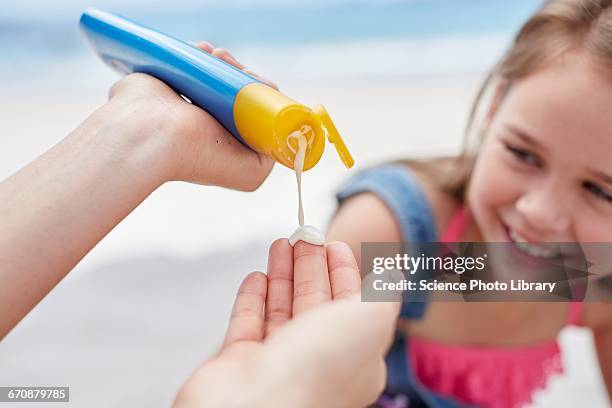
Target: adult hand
(64, 202)
(196, 148)
(298, 337)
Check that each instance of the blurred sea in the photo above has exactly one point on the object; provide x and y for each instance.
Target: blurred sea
(376, 37)
(405, 71)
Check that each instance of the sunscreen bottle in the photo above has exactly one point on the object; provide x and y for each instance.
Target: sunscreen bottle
(256, 114)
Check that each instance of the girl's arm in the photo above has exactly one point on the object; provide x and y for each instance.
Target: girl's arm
(56, 209)
(363, 218)
(366, 218)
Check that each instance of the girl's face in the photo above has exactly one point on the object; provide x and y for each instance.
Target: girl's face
(544, 171)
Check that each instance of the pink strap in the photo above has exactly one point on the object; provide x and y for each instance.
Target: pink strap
(456, 226)
(453, 233)
(574, 314)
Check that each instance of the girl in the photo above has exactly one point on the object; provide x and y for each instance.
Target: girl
(539, 172)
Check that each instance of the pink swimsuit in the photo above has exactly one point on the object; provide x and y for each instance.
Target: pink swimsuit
(500, 377)
(426, 373)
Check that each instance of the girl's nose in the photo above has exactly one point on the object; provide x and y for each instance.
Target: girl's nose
(545, 211)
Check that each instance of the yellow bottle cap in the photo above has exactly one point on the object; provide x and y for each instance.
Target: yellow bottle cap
(333, 136)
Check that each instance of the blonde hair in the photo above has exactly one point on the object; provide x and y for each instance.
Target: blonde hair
(558, 28)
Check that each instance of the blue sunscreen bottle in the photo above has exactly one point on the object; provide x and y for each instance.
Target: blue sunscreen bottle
(256, 114)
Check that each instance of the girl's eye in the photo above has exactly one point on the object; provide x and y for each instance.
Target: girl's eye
(598, 191)
(523, 155)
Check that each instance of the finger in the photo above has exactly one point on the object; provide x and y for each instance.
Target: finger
(225, 55)
(310, 277)
(262, 79)
(205, 46)
(280, 285)
(246, 321)
(343, 271)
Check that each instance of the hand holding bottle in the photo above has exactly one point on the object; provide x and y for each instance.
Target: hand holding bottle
(193, 146)
(69, 198)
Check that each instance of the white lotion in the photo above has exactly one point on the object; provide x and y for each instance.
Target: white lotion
(306, 233)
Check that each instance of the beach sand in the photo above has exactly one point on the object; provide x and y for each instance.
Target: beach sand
(151, 301)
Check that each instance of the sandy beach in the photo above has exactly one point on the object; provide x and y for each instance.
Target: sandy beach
(151, 301)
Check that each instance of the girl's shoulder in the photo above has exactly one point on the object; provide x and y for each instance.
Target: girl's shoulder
(442, 204)
(380, 203)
